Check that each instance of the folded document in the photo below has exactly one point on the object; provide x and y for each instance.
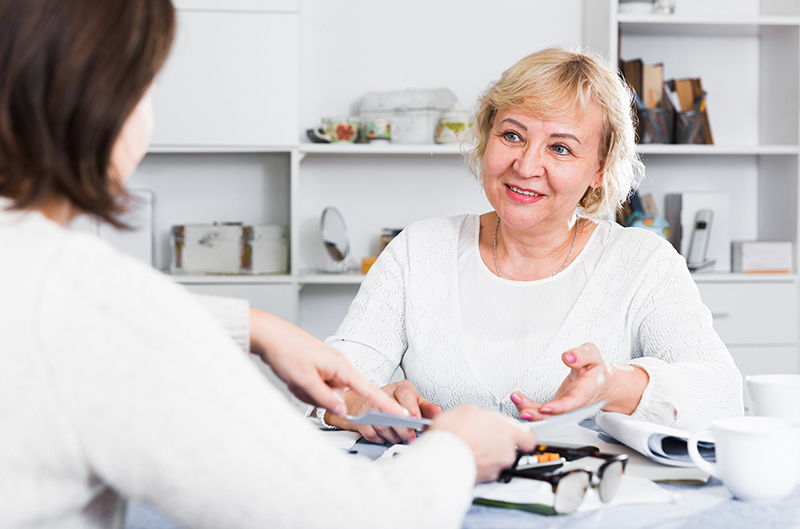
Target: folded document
(662, 444)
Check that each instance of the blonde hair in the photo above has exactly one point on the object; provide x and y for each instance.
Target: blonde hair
(550, 83)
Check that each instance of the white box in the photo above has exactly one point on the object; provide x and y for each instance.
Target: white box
(763, 257)
(681, 209)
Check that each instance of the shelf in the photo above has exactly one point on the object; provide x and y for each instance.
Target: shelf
(711, 277)
(217, 279)
(217, 149)
(701, 26)
(382, 148)
(726, 150)
(699, 277)
(331, 279)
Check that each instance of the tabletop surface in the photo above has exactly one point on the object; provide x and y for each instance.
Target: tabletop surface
(708, 506)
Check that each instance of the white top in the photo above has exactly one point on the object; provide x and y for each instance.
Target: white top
(636, 300)
(525, 315)
(115, 383)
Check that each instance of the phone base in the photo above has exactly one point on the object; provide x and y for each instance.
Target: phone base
(696, 267)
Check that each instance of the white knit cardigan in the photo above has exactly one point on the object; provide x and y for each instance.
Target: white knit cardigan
(639, 306)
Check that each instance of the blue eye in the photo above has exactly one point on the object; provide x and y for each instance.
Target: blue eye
(511, 136)
(561, 149)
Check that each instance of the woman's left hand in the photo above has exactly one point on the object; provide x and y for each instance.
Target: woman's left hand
(590, 380)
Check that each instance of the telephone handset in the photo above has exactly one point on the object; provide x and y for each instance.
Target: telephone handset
(698, 245)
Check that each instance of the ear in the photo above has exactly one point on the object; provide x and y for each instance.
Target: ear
(597, 181)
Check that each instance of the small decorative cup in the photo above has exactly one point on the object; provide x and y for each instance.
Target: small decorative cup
(341, 130)
(377, 129)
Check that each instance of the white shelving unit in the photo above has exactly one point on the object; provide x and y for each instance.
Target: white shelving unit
(748, 55)
(244, 162)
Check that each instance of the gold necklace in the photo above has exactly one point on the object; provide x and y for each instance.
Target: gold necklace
(563, 265)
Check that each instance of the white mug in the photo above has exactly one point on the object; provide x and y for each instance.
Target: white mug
(741, 444)
(774, 395)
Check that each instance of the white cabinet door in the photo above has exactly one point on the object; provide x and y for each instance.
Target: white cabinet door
(766, 359)
(231, 79)
(753, 313)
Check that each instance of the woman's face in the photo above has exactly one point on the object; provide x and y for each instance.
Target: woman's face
(536, 171)
(131, 145)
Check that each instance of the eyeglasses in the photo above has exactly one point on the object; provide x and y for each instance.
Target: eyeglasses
(569, 487)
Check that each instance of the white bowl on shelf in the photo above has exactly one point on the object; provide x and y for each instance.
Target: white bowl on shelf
(636, 8)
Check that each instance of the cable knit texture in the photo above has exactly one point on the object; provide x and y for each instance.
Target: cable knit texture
(117, 384)
(638, 304)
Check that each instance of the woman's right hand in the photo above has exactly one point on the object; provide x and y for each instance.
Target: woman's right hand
(493, 438)
(405, 394)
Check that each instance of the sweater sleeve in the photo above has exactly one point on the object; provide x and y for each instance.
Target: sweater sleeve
(166, 410)
(693, 378)
(373, 333)
(233, 315)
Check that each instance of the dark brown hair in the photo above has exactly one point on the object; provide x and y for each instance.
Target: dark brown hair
(71, 72)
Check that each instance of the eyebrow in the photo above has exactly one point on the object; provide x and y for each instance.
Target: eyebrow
(565, 135)
(554, 135)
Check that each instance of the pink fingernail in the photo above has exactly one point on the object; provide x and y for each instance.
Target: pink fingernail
(526, 416)
(410, 440)
(546, 410)
(570, 357)
(516, 399)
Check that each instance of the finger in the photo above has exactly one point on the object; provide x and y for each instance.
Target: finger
(525, 439)
(388, 435)
(321, 394)
(530, 414)
(405, 434)
(298, 392)
(521, 401)
(368, 391)
(408, 398)
(429, 410)
(567, 402)
(369, 433)
(582, 356)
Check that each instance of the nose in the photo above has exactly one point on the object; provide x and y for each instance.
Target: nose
(529, 163)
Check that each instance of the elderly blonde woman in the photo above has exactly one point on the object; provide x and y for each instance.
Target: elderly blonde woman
(542, 306)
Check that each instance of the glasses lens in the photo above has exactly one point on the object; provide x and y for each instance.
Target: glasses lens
(570, 491)
(610, 481)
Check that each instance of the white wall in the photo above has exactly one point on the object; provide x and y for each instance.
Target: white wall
(350, 47)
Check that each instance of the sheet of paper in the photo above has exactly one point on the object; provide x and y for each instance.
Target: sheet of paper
(343, 439)
(632, 490)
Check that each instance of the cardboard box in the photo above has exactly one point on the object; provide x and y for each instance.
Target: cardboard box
(763, 257)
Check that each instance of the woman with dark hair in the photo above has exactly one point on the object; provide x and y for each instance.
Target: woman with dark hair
(115, 382)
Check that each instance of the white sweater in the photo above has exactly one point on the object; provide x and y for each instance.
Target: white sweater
(636, 301)
(115, 383)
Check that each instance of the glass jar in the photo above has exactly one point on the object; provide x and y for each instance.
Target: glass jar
(386, 237)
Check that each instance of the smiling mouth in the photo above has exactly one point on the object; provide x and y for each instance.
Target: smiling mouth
(524, 191)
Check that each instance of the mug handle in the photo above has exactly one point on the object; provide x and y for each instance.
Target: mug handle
(317, 135)
(697, 459)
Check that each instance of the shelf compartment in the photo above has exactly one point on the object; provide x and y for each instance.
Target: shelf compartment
(710, 277)
(219, 279)
(313, 278)
(702, 26)
(722, 150)
(382, 149)
(218, 149)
